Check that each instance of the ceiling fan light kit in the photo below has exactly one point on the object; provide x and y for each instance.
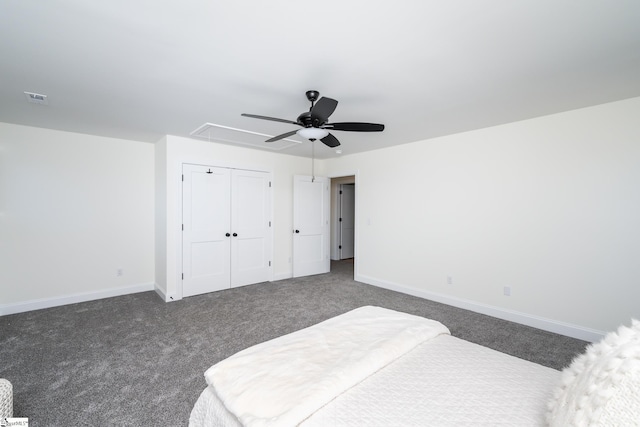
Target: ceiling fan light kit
(315, 122)
(312, 133)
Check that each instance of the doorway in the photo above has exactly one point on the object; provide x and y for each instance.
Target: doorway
(344, 233)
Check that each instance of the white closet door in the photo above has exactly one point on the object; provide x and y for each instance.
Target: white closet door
(206, 236)
(311, 225)
(250, 222)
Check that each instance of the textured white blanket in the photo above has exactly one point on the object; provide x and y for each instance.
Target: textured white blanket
(283, 381)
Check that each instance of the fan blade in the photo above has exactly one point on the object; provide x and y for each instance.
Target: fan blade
(284, 135)
(355, 127)
(322, 110)
(330, 141)
(273, 119)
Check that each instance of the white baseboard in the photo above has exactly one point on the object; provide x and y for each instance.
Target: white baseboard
(38, 304)
(282, 276)
(557, 327)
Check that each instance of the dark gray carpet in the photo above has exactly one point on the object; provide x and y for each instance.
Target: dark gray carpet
(137, 361)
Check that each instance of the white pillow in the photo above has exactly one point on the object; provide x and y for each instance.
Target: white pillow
(602, 386)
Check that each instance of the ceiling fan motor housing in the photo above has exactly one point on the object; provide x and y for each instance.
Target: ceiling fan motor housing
(306, 120)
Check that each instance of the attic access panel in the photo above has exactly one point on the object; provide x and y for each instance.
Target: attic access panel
(225, 134)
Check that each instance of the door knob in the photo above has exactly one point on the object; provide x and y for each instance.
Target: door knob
(227, 234)
(297, 231)
(235, 234)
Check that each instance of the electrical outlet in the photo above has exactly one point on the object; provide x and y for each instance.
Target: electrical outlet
(507, 291)
(119, 272)
(449, 280)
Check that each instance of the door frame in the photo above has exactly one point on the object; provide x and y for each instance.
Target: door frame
(336, 179)
(179, 249)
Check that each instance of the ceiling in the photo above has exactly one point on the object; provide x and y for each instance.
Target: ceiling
(143, 69)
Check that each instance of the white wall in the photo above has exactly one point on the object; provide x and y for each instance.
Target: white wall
(73, 209)
(180, 150)
(549, 207)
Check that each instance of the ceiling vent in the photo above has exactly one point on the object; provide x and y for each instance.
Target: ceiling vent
(228, 135)
(36, 98)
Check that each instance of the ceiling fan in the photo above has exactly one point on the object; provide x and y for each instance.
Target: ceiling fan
(315, 123)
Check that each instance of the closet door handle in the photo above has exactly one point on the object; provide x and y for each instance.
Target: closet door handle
(235, 234)
(297, 231)
(227, 234)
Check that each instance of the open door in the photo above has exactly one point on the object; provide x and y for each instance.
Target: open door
(310, 225)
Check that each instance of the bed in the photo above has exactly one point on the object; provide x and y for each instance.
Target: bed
(378, 367)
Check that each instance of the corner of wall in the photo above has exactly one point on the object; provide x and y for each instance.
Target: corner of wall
(165, 296)
(161, 216)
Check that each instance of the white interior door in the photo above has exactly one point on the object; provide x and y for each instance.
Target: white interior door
(206, 235)
(250, 227)
(311, 225)
(347, 220)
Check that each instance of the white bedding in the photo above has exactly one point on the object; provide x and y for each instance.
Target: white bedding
(443, 381)
(285, 380)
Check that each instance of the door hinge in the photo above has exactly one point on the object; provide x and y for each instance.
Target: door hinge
(340, 247)
(269, 263)
(340, 220)
(182, 276)
(183, 177)
(340, 191)
(269, 223)
(269, 184)
(182, 227)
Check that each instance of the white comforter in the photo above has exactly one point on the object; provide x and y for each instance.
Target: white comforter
(284, 381)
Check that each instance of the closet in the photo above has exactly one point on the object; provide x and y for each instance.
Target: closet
(226, 228)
